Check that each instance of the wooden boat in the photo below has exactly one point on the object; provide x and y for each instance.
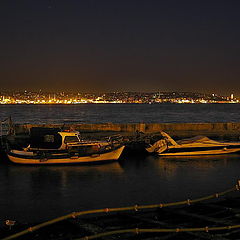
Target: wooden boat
(41, 157)
(199, 145)
(57, 147)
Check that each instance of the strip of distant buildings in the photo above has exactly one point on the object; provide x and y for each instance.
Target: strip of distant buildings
(28, 97)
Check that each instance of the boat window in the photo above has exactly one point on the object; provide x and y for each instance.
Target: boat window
(49, 138)
(71, 139)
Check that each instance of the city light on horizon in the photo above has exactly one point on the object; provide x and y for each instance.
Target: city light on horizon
(113, 98)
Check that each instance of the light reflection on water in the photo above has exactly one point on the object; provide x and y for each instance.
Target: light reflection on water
(37, 193)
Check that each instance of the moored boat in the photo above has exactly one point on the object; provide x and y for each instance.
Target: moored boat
(199, 145)
(58, 147)
(41, 157)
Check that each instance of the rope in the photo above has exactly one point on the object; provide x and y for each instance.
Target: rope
(107, 210)
(161, 230)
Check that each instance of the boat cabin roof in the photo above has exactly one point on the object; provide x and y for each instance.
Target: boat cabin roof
(51, 138)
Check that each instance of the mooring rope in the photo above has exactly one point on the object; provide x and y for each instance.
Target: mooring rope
(157, 230)
(121, 209)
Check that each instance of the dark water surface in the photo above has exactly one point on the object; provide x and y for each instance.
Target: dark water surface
(37, 193)
(121, 113)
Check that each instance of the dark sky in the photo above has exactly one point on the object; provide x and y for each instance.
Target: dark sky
(125, 45)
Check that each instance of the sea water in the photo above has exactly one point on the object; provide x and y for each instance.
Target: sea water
(121, 113)
(39, 193)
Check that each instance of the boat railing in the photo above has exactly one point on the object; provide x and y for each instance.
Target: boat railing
(6, 127)
(115, 138)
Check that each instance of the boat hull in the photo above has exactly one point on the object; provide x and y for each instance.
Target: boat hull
(18, 157)
(201, 152)
(198, 145)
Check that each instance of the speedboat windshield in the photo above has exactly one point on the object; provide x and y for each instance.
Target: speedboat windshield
(71, 139)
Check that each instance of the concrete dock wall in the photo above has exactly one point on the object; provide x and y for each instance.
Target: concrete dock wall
(175, 129)
(143, 127)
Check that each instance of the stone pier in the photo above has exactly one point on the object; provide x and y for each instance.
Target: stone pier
(228, 130)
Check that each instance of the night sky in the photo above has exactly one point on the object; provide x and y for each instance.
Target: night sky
(127, 45)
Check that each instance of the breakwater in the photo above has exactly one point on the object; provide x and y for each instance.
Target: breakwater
(136, 136)
(230, 130)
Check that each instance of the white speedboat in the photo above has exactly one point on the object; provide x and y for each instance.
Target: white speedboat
(199, 145)
(56, 147)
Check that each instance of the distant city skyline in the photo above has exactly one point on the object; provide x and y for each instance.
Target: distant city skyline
(94, 91)
(39, 97)
(129, 45)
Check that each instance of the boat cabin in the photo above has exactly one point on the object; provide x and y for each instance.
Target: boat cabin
(52, 138)
(69, 139)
